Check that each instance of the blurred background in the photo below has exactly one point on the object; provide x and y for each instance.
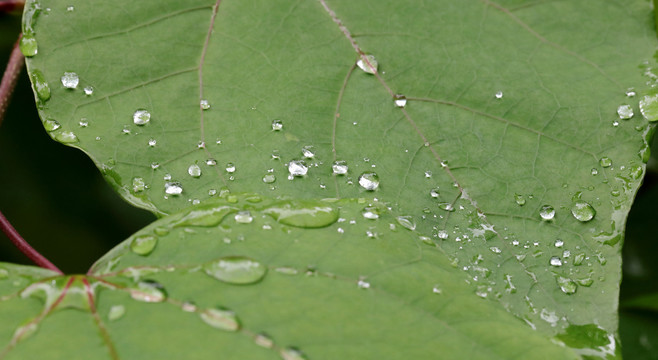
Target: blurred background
(57, 200)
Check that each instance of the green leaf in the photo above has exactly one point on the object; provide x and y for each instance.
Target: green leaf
(507, 147)
(331, 293)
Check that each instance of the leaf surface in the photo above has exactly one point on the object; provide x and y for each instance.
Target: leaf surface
(507, 112)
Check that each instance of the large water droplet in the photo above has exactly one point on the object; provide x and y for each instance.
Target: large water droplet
(649, 107)
(547, 212)
(236, 270)
(220, 319)
(40, 85)
(141, 117)
(297, 168)
(66, 137)
(143, 244)
(244, 217)
(148, 291)
(625, 112)
(339, 167)
(304, 214)
(582, 211)
(277, 125)
(173, 188)
(194, 170)
(70, 80)
(567, 285)
(28, 45)
(407, 222)
(116, 312)
(369, 180)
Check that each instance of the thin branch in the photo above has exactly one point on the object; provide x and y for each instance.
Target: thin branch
(10, 77)
(24, 247)
(8, 6)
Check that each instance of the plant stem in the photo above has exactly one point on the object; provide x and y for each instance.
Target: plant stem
(10, 77)
(24, 247)
(8, 6)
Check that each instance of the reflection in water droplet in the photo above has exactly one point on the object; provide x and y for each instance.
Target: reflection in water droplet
(555, 261)
(194, 170)
(173, 188)
(625, 112)
(649, 107)
(220, 319)
(400, 100)
(369, 180)
(243, 217)
(148, 291)
(143, 244)
(141, 117)
(297, 168)
(339, 167)
(605, 162)
(205, 105)
(567, 286)
(236, 270)
(277, 125)
(547, 212)
(116, 312)
(367, 63)
(582, 211)
(70, 80)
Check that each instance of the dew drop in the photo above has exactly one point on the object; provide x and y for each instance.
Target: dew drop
(28, 45)
(520, 200)
(499, 95)
(66, 137)
(205, 105)
(220, 319)
(567, 285)
(400, 100)
(605, 162)
(236, 270)
(292, 354)
(559, 243)
(89, 90)
(297, 168)
(141, 117)
(649, 107)
(434, 193)
(143, 244)
(40, 85)
(547, 212)
(339, 167)
(194, 170)
(307, 151)
(154, 166)
(201, 145)
(407, 222)
(555, 261)
(630, 93)
(277, 125)
(244, 217)
(367, 63)
(148, 291)
(173, 188)
(70, 80)
(582, 211)
(116, 312)
(230, 168)
(152, 142)
(369, 180)
(625, 112)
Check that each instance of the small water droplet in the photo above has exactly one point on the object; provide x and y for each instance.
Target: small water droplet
(520, 200)
(141, 117)
(339, 167)
(649, 107)
(194, 170)
(369, 180)
(370, 212)
(547, 212)
(230, 168)
(292, 354)
(201, 145)
(205, 105)
(83, 122)
(362, 284)
(66, 137)
(559, 243)
(173, 188)
(407, 222)
(368, 63)
(143, 244)
(400, 100)
(152, 142)
(297, 168)
(446, 207)
(139, 185)
(605, 162)
(116, 312)
(89, 90)
(148, 291)
(582, 211)
(264, 340)
(567, 286)
(499, 95)
(625, 111)
(428, 174)
(555, 261)
(594, 172)
(435, 193)
(220, 319)
(70, 80)
(630, 93)
(70, 8)
(236, 270)
(244, 217)
(269, 178)
(40, 85)
(277, 125)
(307, 151)
(28, 45)
(155, 165)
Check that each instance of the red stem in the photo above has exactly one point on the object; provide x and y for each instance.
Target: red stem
(8, 6)
(24, 247)
(10, 77)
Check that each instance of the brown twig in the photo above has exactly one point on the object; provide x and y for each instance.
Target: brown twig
(10, 77)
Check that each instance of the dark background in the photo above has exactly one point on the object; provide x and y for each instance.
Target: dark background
(59, 202)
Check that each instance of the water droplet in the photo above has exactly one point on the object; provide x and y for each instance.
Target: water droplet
(400, 100)
(649, 107)
(83, 122)
(625, 112)
(264, 340)
(141, 117)
(173, 188)
(555, 261)
(70, 80)
(547, 212)
(70, 8)
(605, 162)
(362, 284)
(303, 213)
(442, 234)
(230, 168)
(499, 95)
(244, 217)
(307, 152)
(201, 145)
(559, 243)
(194, 170)
(367, 63)
(154, 166)
(148, 291)
(520, 200)
(428, 174)
(406, 222)
(582, 211)
(66, 137)
(89, 90)
(269, 178)
(297, 168)
(205, 105)
(567, 286)
(139, 185)
(339, 167)
(28, 45)
(370, 212)
(292, 354)
(143, 244)
(116, 312)
(446, 207)
(630, 93)
(369, 180)
(220, 319)
(277, 125)
(40, 85)
(236, 270)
